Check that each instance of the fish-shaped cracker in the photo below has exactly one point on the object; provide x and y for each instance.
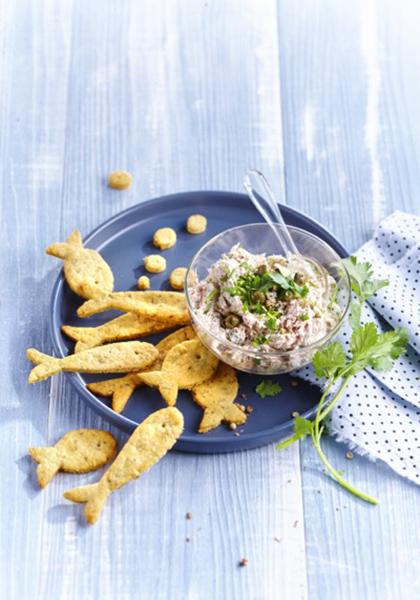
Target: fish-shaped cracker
(156, 305)
(216, 396)
(78, 451)
(149, 442)
(122, 388)
(124, 327)
(121, 357)
(184, 366)
(86, 272)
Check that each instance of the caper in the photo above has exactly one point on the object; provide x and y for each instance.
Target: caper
(231, 321)
(258, 297)
(262, 269)
(299, 278)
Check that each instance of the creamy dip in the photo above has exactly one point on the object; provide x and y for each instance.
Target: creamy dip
(266, 303)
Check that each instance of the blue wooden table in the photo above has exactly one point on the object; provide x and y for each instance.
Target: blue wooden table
(186, 95)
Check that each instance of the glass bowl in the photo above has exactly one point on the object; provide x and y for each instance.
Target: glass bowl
(259, 238)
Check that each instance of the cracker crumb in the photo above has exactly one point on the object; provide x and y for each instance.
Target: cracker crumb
(237, 433)
(188, 516)
(294, 383)
(244, 396)
(232, 426)
(243, 562)
(249, 408)
(295, 414)
(119, 180)
(349, 455)
(276, 539)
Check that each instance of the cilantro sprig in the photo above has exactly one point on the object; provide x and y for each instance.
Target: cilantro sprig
(368, 348)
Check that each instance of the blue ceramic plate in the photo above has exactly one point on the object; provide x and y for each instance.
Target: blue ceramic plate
(123, 241)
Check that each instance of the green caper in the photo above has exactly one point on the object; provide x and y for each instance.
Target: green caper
(258, 297)
(262, 269)
(231, 321)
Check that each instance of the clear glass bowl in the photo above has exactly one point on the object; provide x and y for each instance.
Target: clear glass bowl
(259, 238)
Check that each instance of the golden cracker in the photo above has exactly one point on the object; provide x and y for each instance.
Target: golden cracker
(122, 388)
(196, 224)
(149, 442)
(86, 272)
(216, 396)
(184, 366)
(78, 451)
(125, 327)
(121, 357)
(164, 238)
(154, 263)
(177, 278)
(154, 304)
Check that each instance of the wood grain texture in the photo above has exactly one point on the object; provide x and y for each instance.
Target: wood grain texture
(185, 96)
(350, 97)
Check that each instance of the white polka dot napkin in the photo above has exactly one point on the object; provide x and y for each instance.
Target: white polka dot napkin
(380, 414)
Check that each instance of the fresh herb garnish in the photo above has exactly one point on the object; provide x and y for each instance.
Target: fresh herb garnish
(303, 317)
(268, 388)
(251, 288)
(368, 348)
(259, 340)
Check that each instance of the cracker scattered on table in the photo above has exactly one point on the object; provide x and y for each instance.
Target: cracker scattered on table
(143, 282)
(161, 306)
(216, 396)
(149, 442)
(164, 238)
(184, 366)
(78, 451)
(122, 357)
(125, 327)
(177, 278)
(86, 272)
(154, 263)
(196, 224)
(122, 388)
(120, 180)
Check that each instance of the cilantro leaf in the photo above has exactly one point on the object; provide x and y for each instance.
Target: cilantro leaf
(361, 277)
(301, 427)
(329, 361)
(355, 314)
(267, 388)
(377, 350)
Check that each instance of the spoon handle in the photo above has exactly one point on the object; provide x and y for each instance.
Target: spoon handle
(261, 194)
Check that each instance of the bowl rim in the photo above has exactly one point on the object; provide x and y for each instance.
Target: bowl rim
(274, 353)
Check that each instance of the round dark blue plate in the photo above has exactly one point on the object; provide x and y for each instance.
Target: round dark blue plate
(123, 241)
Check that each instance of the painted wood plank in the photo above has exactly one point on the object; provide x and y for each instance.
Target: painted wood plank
(350, 97)
(185, 96)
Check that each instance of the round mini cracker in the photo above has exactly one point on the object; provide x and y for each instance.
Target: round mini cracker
(196, 224)
(164, 238)
(154, 263)
(143, 282)
(177, 278)
(120, 180)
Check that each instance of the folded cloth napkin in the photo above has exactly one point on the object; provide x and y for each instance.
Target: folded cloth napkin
(380, 413)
